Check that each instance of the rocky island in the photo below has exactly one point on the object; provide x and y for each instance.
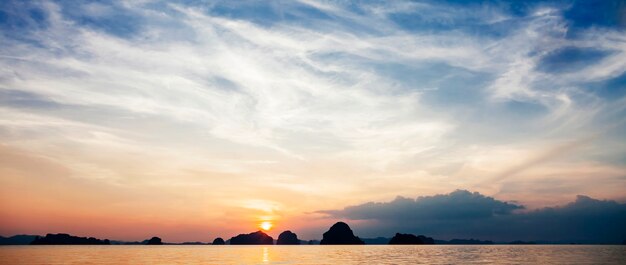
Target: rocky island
(287, 238)
(256, 238)
(154, 241)
(219, 241)
(340, 234)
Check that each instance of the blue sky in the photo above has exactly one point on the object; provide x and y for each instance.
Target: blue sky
(333, 102)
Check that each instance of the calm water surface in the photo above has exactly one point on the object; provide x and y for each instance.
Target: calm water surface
(497, 254)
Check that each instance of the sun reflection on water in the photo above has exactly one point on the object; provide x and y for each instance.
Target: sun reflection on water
(266, 256)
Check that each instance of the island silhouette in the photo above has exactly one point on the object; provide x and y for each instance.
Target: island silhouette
(410, 239)
(287, 238)
(154, 241)
(340, 234)
(66, 239)
(218, 241)
(255, 238)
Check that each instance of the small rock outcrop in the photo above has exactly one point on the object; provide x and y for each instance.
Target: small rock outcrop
(219, 241)
(410, 239)
(287, 238)
(256, 238)
(154, 241)
(340, 234)
(66, 239)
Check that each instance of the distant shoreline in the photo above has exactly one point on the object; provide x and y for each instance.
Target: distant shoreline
(6, 241)
(339, 233)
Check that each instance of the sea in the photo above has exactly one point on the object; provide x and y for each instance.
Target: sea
(315, 254)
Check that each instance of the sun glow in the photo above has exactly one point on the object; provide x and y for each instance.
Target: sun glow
(266, 225)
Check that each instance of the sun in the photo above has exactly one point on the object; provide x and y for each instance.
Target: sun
(266, 225)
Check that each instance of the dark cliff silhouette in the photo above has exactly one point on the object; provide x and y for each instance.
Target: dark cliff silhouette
(410, 239)
(154, 241)
(256, 238)
(66, 239)
(287, 238)
(219, 241)
(340, 234)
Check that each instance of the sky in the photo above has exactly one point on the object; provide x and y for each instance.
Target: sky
(194, 119)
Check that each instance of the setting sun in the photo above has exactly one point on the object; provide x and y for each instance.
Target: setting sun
(266, 225)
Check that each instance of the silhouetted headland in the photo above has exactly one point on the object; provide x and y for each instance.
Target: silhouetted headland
(219, 241)
(65, 239)
(287, 238)
(256, 238)
(154, 241)
(410, 239)
(340, 234)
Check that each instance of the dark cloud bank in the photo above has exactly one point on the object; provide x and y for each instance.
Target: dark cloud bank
(463, 214)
